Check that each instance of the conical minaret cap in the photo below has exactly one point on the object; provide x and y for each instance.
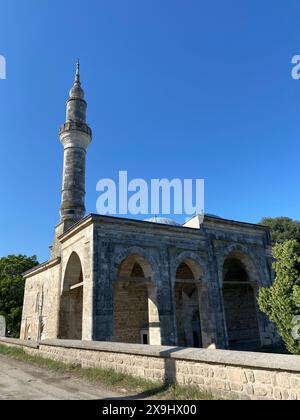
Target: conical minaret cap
(76, 91)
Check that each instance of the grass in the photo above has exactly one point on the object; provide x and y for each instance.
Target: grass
(111, 379)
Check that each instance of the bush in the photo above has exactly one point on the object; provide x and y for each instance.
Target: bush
(281, 302)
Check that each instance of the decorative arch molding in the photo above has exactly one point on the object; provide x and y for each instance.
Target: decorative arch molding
(195, 263)
(149, 263)
(247, 257)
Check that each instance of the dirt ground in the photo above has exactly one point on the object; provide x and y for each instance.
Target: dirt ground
(22, 381)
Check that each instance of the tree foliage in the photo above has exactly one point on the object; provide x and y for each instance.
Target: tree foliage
(12, 289)
(281, 302)
(282, 229)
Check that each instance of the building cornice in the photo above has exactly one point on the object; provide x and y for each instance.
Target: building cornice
(222, 224)
(41, 267)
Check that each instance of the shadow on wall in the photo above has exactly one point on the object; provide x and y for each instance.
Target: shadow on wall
(170, 366)
(169, 380)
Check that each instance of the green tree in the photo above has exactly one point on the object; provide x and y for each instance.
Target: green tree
(12, 289)
(281, 302)
(282, 228)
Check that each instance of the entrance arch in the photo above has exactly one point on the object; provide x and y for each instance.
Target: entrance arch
(71, 301)
(135, 312)
(239, 304)
(187, 299)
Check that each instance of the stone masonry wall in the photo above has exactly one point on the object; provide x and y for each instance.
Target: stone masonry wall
(128, 323)
(227, 374)
(164, 248)
(41, 304)
(43, 287)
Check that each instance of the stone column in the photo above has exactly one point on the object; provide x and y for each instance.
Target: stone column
(153, 316)
(103, 293)
(206, 317)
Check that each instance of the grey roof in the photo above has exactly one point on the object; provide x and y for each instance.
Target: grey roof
(212, 215)
(163, 221)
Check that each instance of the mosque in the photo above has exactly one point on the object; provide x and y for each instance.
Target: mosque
(150, 282)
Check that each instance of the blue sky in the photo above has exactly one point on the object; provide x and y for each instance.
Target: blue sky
(175, 88)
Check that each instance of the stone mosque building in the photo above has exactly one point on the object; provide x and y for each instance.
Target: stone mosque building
(149, 282)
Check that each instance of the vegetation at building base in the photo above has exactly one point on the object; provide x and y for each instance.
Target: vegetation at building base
(112, 379)
(281, 301)
(12, 289)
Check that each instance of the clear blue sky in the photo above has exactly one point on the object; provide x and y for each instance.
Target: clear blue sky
(175, 88)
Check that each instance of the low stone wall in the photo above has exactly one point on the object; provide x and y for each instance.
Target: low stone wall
(229, 374)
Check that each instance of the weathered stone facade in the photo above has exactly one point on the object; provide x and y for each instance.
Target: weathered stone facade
(129, 274)
(116, 279)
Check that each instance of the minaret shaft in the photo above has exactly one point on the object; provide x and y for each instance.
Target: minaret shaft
(73, 186)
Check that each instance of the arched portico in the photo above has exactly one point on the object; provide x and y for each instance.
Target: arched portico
(187, 303)
(135, 313)
(239, 288)
(71, 300)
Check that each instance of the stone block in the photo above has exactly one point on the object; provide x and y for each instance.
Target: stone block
(263, 377)
(250, 376)
(236, 386)
(260, 391)
(236, 375)
(283, 380)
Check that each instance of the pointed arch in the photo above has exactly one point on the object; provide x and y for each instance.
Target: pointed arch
(187, 302)
(239, 284)
(135, 314)
(71, 300)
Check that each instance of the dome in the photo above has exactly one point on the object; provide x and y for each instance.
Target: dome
(163, 221)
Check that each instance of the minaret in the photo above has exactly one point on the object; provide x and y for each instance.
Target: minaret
(75, 136)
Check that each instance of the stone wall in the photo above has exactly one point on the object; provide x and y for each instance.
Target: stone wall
(80, 242)
(130, 312)
(45, 283)
(103, 245)
(227, 374)
(242, 326)
(41, 302)
(204, 249)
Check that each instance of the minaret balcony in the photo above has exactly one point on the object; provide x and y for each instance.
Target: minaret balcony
(75, 126)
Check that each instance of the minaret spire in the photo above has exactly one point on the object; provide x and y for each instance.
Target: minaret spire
(76, 91)
(77, 76)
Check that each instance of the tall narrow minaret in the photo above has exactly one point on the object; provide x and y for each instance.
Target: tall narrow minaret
(75, 136)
